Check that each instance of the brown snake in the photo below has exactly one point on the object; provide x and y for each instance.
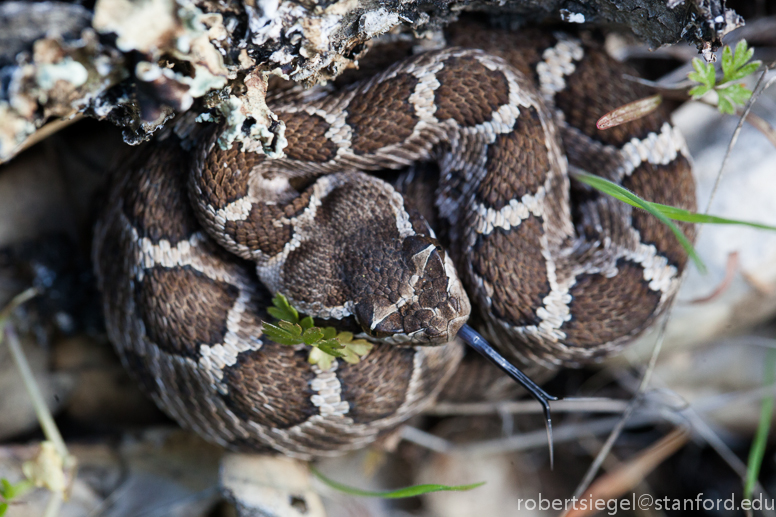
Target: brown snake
(556, 273)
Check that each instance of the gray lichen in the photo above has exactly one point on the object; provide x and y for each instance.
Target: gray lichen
(137, 63)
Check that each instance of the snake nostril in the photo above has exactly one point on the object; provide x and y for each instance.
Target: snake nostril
(455, 325)
(391, 324)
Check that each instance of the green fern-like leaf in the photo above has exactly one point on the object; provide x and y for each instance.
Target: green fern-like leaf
(732, 95)
(699, 91)
(307, 323)
(354, 349)
(331, 346)
(312, 336)
(704, 73)
(9, 491)
(321, 358)
(735, 66)
(282, 310)
(325, 342)
(284, 333)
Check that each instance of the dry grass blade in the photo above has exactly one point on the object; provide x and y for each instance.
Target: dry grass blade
(627, 476)
(763, 288)
(629, 112)
(731, 267)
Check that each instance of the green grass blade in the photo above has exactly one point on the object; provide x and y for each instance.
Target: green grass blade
(757, 452)
(410, 491)
(626, 196)
(680, 214)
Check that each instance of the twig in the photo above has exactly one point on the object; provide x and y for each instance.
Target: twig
(679, 414)
(515, 407)
(54, 504)
(663, 84)
(724, 452)
(678, 91)
(17, 300)
(532, 440)
(45, 419)
(39, 403)
(752, 119)
(609, 443)
(714, 402)
(627, 476)
(761, 124)
(755, 93)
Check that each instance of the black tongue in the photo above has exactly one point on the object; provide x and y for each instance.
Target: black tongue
(473, 338)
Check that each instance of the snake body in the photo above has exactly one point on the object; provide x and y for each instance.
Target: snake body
(556, 273)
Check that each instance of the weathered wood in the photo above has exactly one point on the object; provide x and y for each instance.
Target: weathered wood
(138, 63)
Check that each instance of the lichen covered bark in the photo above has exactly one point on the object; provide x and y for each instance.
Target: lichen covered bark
(138, 63)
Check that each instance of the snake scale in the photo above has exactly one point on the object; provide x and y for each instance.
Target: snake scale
(192, 243)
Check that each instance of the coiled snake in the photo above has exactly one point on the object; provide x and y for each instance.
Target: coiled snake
(556, 273)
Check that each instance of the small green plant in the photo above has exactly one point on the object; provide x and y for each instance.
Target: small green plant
(760, 442)
(326, 342)
(9, 491)
(735, 66)
(53, 466)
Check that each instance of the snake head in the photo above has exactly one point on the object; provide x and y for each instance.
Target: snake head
(421, 299)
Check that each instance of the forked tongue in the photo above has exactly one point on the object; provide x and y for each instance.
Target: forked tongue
(472, 338)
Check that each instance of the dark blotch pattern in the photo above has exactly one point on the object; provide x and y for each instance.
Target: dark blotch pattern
(522, 49)
(605, 309)
(270, 386)
(469, 92)
(306, 137)
(383, 115)
(257, 232)
(225, 175)
(518, 162)
(595, 88)
(519, 278)
(670, 184)
(181, 309)
(317, 269)
(140, 368)
(156, 203)
(376, 386)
